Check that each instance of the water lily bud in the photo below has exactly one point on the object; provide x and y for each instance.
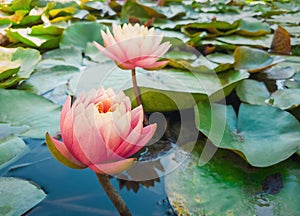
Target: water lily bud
(100, 131)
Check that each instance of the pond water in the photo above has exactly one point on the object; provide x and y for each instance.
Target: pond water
(78, 192)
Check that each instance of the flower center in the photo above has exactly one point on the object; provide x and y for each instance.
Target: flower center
(104, 106)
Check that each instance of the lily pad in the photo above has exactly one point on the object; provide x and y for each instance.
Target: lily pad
(18, 195)
(19, 62)
(253, 92)
(250, 28)
(226, 185)
(11, 148)
(25, 36)
(253, 60)
(264, 135)
(76, 35)
(259, 41)
(162, 90)
(294, 82)
(286, 98)
(20, 108)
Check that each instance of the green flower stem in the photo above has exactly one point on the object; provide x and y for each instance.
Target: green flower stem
(138, 94)
(113, 195)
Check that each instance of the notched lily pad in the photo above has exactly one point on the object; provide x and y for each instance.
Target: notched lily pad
(264, 135)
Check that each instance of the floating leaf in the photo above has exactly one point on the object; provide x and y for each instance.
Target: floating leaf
(294, 82)
(286, 98)
(253, 92)
(259, 41)
(76, 35)
(19, 64)
(250, 28)
(162, 90)
(281, 43)
(264, 135)
(18, 196)
(7, 130)
(226, 185)
(253, 60)
(37, 41)
(11, 148)
(20, 108)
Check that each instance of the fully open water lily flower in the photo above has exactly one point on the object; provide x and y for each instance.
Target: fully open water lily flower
(134, 46)
(100, 131)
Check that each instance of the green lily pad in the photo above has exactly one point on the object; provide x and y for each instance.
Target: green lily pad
(162, 90)
(132, 8)
(250, 28)
(25, 36)
(264, 135)
(56, 68)
(19, 62)
(18, 195)
(76, 35)
(294, 82)
(259, 41)
(226, 185)
(253, 92)
(11, 148)
(286, 98)
(20, 108)
(253, 60)
(15, 5)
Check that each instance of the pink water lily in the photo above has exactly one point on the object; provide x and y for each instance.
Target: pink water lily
(134, 46)
(100, 131)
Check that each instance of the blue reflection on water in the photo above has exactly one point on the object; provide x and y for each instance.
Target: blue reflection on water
(77, 192)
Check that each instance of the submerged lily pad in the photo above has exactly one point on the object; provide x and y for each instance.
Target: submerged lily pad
(18, 196)
(264, 135)
(20, 108)
(226, 185)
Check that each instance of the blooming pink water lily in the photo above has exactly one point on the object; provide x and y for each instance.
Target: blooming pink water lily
(100, 131)
(134, 46)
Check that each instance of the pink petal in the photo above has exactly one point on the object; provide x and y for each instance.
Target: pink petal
(106, 52)
(146, 136)
(60, 146)
(114, 167)
(137, 115)
(91, 147)
(157, 65)
(150, 44)
(146, 62)
(66, 129)
(161, 50)
(126, 65)
(66, 107)
(108, 39)
(130, 140)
